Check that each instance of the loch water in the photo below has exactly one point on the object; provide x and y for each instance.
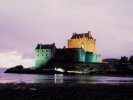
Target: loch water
(60, 78)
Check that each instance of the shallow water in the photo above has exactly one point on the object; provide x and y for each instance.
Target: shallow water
(60, 78)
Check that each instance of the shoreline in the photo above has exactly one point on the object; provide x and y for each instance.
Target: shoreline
(32, 91)
(53, 72)
(78, 68)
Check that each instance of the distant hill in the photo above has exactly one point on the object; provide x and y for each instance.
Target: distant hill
(111, 60)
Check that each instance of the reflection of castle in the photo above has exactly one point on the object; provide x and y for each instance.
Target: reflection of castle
(81, 48)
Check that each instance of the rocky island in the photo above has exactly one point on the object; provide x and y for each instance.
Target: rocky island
(78, 58)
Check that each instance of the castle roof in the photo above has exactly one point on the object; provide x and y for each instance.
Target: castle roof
(46, 46)
(81, 35)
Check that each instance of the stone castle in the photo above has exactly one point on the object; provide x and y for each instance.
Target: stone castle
(81, 48)
(84, 41)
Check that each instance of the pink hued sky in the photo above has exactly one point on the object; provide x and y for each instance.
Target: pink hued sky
(25, 23)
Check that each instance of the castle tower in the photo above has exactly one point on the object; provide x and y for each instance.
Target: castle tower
(84, 41)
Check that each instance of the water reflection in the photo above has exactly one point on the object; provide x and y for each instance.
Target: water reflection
(60, 78)
(106, 80)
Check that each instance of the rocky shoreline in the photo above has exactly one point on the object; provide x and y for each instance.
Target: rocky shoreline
(23, 91)
(78, 68)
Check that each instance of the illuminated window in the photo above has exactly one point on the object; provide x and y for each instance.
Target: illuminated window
(82, 46)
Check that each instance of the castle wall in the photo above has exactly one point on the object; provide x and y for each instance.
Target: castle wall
(42, 56)
(95, 58)
(89, 45)
(70, 55)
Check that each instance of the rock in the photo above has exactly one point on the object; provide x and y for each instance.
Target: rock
(14, 69)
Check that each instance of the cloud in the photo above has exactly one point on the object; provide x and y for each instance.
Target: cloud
(25, 23)
(13, 58)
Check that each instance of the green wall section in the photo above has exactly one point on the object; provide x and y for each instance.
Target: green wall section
(42, 56)
(81, 56)
(95, 58)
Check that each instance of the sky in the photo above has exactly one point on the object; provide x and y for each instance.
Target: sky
(25, 23)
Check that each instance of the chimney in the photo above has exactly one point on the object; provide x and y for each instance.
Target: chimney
(64, 47)
(89, 33)
(40, 46)
(74, 33)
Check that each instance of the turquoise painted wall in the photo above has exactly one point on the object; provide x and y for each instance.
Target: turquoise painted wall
(42, 56)
(82, 56)
(95, 58)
